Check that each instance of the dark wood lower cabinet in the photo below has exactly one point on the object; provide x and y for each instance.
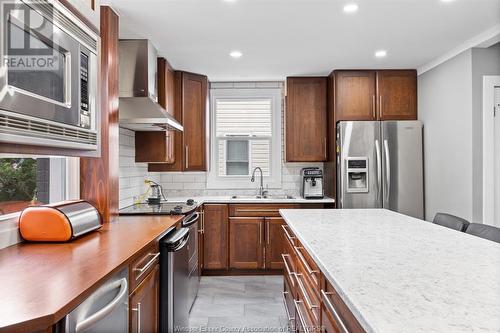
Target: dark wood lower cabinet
(274, 242)
(215, 233)
(246, 238)
(144, 304)
(243, 238)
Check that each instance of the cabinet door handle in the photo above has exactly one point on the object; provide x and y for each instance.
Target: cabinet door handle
(331, 308)
(268, 234)
(380, 106)
(200, 231)
(138, 310)
(374, 109)
(187, 156)
(324, 151)
(260, 232)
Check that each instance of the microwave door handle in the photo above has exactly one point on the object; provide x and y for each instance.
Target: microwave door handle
(120, 298)
(67, 85)
(379, 168)
(387, 170)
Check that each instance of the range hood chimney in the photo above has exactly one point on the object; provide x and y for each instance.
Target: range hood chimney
(139, 108)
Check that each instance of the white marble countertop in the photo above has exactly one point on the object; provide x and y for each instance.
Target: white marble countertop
(249, 199)
(400, 274)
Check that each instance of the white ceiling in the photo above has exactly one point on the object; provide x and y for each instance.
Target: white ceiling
(280, 38)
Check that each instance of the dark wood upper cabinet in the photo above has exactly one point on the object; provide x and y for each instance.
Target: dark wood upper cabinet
(355, 95)
(166, 85)
(190, 109)
(397, 94)
(305, 117)
(246, 239)
(194, 109)
(144, 304)
(154, 147)
(274, 242)
(375, 95)
(215, 233)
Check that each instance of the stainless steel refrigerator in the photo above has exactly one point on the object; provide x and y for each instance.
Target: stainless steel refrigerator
(380, 165)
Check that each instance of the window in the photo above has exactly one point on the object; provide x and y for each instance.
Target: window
(29, 180)
(246, 132)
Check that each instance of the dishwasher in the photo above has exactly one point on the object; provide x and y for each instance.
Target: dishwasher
(174, 281)
(106, 310)
(191, 221)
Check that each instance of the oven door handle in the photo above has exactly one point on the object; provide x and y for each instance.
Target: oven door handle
(192, 219)
(120, 298)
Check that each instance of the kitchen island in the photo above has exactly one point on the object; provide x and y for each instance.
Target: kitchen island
(41, 282)
(399, 274)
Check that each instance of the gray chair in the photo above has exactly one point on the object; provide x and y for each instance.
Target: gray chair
(451, 221)
(484, 231)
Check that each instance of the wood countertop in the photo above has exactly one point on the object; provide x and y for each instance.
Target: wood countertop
(41, 282)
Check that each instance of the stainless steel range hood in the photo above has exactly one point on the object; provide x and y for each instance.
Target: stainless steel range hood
(139, 108)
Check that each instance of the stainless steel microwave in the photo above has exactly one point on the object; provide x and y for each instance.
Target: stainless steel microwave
(48, 76)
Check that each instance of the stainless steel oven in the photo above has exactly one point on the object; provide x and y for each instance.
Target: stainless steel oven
(48, 76)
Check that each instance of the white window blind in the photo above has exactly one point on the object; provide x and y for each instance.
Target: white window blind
(243, 117)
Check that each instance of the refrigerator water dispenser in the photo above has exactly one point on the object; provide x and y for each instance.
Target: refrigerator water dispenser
(357, 174)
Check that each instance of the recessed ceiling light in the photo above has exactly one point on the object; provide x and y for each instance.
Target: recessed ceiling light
(230, 0)
(236, 54)
(351, 8)
(381, 53)
(447, 1)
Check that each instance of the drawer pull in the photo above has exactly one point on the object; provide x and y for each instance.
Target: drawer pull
(263, 210)
(301, 316)
(304, 292)
(288, 234)
(287, 267)
(290, 318)
(147, 265)
(331, 308)
(306, 265)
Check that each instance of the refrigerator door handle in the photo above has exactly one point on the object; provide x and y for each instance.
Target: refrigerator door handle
(387, 170)
(379, 168)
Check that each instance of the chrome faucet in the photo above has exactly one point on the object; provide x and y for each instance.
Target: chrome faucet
(261, 188)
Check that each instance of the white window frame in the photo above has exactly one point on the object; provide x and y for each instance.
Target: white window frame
(66, 182)
(273, 181)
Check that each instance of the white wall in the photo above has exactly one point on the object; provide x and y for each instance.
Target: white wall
(484, 62)
(450, 106)
(445, 101)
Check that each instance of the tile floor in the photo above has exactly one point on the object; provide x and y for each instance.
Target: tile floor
(239, 304)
